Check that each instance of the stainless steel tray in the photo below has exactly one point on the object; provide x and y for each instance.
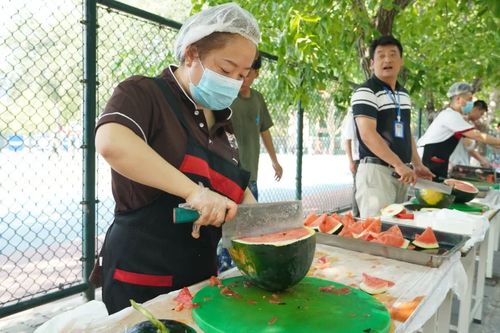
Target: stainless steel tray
(448, 244)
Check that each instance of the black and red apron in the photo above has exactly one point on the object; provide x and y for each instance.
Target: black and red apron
(145, 254)
(436, 156)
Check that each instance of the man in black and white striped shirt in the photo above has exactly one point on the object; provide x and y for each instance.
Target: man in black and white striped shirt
(382, 111)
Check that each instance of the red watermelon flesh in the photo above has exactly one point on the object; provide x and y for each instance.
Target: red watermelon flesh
(391, 240)
(347, 219)
(315, 224)
(394, 230)
(330, 225)
(427, 240)
(463, 191)
(392, 237)
(374, 227)
(374, 285)
(279, 238)
(310, 219)
(346, 232)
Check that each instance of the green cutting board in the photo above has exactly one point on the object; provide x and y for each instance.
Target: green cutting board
(472, 207)
(303, 308)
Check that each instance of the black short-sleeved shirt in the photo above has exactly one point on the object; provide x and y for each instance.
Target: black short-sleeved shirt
(138, 104)
(371, 100)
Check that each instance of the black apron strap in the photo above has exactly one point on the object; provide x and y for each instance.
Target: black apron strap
(172, 101)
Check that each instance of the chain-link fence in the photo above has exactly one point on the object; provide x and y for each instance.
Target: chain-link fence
(40, 160)
(41, 133)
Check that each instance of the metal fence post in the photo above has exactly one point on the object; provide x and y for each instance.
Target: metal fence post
(89, 169)
(300, 144)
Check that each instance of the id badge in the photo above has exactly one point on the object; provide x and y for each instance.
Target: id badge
(399, 131)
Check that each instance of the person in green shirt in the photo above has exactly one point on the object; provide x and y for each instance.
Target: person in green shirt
(251, 121)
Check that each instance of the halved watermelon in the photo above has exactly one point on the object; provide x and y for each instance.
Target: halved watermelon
(275, 261)
(463, 191)
(374, 285)
(392, 210)
(427, 240)
(330, 225)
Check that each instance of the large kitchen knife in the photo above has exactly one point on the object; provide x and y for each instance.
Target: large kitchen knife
(252, 219)
(424, 184)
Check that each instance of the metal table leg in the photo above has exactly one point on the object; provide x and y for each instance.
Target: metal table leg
(465, 303)
(493, 236)
(477, 310)
(444, 314)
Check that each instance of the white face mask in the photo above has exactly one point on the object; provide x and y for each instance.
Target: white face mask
(214, 91)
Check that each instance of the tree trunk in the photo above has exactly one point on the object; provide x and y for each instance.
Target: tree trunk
(382, 22)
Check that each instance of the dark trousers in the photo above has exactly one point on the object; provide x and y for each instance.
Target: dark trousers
(252, 185)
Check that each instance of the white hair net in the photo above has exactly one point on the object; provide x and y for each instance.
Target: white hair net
(228, 17)
(459, 88)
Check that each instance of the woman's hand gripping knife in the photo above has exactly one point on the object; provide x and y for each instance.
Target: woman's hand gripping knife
(214, 209)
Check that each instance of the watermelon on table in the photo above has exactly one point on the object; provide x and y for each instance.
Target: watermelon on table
(392, 237)
(427, 240)
(330, 225)
(275, 261)
(310, 218)
(392, 210)
(373, 226)
(374, 285)
(431, 198)
(315, 223)
(463, 191)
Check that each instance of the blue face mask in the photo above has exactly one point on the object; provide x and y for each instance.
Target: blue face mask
(468, 107)
(214, 91)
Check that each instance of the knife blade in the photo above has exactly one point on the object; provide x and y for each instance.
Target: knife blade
(424, 184)
(252, 219)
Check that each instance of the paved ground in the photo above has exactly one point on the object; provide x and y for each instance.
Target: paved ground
(27, 321)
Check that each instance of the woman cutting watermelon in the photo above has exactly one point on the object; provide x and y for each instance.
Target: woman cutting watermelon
(168, 141)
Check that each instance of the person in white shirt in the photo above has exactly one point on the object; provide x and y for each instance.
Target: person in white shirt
(466, 147)
(444, 133)
(350, 143)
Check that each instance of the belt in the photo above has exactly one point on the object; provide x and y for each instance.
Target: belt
(373, 160)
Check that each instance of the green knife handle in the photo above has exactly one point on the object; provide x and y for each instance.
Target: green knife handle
(185, 215)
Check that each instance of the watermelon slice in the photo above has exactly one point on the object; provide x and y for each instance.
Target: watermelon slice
(330, 225)
(374, 227)
(392, 210)
(347, 219)
(310, 219)
(374, 285)
(392, 237)
(427, 240)
(315, 224)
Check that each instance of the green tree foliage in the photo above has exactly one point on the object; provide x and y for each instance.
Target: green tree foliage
(321, 45)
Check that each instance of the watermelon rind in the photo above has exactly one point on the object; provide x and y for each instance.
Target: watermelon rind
(275, 266)
(392, 210)
(423, 245)
(431, 198)
(173, 326)
(461, 196)
(372, 291)
(336, 229)
(405, 244)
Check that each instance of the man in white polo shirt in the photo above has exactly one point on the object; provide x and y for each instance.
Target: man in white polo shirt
(444, 133)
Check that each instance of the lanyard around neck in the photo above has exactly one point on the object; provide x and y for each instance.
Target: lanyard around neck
(397, 102)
